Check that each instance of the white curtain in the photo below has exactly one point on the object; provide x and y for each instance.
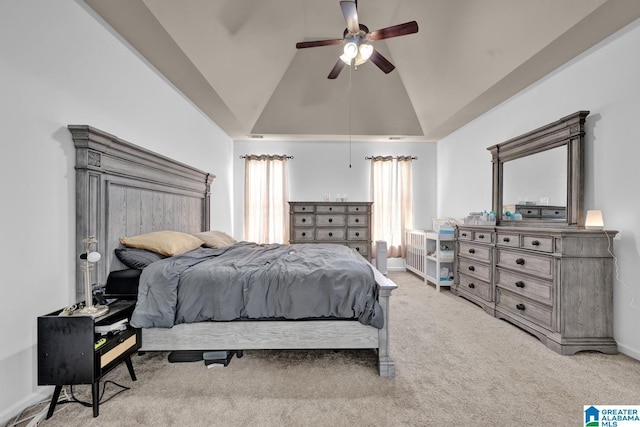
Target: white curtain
(266, 196)
(392, 196)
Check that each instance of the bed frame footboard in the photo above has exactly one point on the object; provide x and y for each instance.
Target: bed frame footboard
(281, 335)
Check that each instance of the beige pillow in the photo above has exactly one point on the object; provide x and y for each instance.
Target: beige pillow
(215, 239)
(166, 242)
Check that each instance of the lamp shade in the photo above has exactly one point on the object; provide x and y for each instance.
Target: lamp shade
(594, 220)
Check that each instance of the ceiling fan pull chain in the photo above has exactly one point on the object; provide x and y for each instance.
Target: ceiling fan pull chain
(349, 116)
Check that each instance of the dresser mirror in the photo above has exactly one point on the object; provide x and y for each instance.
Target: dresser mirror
(536, 180)
(539, 175)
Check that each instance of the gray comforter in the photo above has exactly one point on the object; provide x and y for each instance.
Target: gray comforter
(252, 281)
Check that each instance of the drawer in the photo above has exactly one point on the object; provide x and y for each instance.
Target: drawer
(538, 265)
(464, 234)
(325, 220)
(357, 220)
(303, 208)
(362, 248)
(525, 308)
(475, 286)
(529, 212)
(535, 289)
(303, 234)
(508, 239)
(125, 341)
(480, 253)
(331, 208)
(553, 213)
(475, 269)
(303, 219)
(537, 243)
(330, 234)
(358, 208)
(483, 236)
(355, 233)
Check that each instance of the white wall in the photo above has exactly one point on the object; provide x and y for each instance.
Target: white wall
(322, 167)
(604, 81)
(60, 65)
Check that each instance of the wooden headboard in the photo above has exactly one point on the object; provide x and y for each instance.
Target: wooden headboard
(125, 190)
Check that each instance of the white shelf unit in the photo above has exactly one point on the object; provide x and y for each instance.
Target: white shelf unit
(439, 255)
(415, 255)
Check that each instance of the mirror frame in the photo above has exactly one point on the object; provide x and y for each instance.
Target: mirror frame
(568, 132)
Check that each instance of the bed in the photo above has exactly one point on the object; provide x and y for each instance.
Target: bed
(125, 190)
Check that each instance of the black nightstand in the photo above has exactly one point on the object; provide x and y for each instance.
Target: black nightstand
(67, 352)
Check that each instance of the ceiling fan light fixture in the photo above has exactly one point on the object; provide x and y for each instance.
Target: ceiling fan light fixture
(346, 59)
(364, 51)
(350, 50)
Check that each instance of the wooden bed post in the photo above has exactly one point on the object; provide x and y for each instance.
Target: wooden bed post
(386, 366)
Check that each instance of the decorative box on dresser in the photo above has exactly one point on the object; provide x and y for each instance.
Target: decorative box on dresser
(345, 223)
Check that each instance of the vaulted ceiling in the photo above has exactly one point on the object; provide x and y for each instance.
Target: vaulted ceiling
(237, 61)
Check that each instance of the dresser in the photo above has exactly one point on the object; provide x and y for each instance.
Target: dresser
(556, 284)
(345, 223)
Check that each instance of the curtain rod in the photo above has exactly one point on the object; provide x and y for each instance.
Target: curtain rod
(266, 155)
(393, 157)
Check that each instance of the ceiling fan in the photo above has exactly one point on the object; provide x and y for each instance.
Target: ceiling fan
(357, 41)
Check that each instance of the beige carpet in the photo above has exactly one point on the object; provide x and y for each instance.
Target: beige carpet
(455, 365)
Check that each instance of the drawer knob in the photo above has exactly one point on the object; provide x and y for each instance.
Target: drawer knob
(520, 261)
(330, 219)
(472, 251)
(357, 234)
(330, 234)
(464, 234)
(557, 213)
(520, 307)
(535, 243)
(471, 285)
(506, 240)
(330, 208)
(472, 268)
(357, 209)
(520, 284)
(303, 208)
(357, 219)
(481, 236)
(304, 234)
(357, 249)
(304, 219)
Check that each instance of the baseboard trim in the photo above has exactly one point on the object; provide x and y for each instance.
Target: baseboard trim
(628, 351)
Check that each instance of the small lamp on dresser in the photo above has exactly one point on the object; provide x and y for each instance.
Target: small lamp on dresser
(594, 220)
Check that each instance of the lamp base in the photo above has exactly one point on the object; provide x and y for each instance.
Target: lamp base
(94, 310)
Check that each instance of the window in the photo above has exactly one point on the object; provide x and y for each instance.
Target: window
(266, 218)
(392, 196)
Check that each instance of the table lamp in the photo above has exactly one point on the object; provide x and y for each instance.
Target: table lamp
(594, 220)
(89, 258)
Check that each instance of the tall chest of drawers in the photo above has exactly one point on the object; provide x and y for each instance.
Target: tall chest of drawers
(345, 223)
(556, 284)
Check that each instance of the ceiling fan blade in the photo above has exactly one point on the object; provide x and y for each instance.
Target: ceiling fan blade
(350, 12)
(382, 62)
(394, 31)
(336, 69)
(316, 43)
